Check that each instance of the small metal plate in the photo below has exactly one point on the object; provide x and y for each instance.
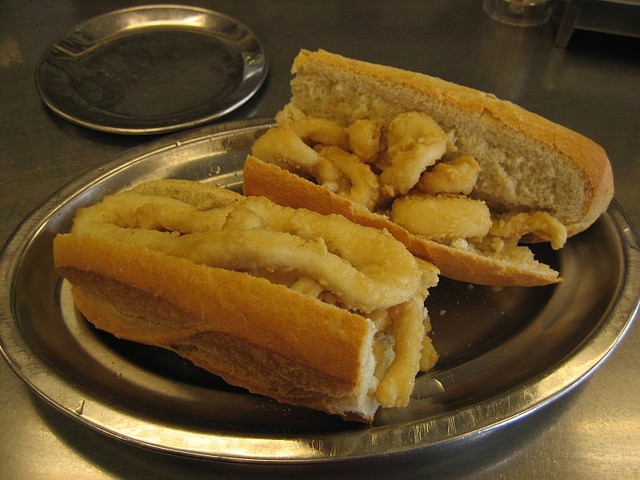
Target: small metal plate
(504, 352)
(151, 69)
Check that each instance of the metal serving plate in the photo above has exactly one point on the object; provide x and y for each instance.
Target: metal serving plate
(504, 352)
(151, 69)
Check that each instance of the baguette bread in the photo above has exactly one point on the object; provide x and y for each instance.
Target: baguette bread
(528, 166)
(279, 301)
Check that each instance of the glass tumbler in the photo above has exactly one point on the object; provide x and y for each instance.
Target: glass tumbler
(523, 13)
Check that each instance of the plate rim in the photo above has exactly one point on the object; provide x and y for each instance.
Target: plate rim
(257, 81)
(310, 448)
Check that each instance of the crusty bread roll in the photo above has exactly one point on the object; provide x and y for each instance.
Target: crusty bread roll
(279, 301)
(527, 164)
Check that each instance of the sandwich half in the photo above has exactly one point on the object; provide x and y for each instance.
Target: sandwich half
(462, 178)
(287, 303)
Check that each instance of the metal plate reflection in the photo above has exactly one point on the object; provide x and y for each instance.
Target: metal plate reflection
(151, 69)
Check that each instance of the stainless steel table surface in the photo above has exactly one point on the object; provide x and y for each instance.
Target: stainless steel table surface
(592, 86)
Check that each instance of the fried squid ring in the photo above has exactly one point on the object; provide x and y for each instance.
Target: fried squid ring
(364, 139)
(539, 224)
(329, 164)
(320, 130)
(283, 147)
(409, 331)
(414, 142)
(442, 217)
(458, 176)
(358, 183)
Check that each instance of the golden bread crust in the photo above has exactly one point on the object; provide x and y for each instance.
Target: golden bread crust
(200, 301)
(286, 303)
(239, 362)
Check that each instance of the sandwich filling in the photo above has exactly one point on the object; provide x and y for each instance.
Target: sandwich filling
(409, 170)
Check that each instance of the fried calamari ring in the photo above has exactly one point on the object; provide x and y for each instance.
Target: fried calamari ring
(540, 224)
(329, 164)
(408, 329)
(457, 176)
(364, 139)
(320, 130)
(357, 182)
(283, 147)
(414, 142)
(392, 279)
(255, 233)
(197, 194)
(442, 217)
